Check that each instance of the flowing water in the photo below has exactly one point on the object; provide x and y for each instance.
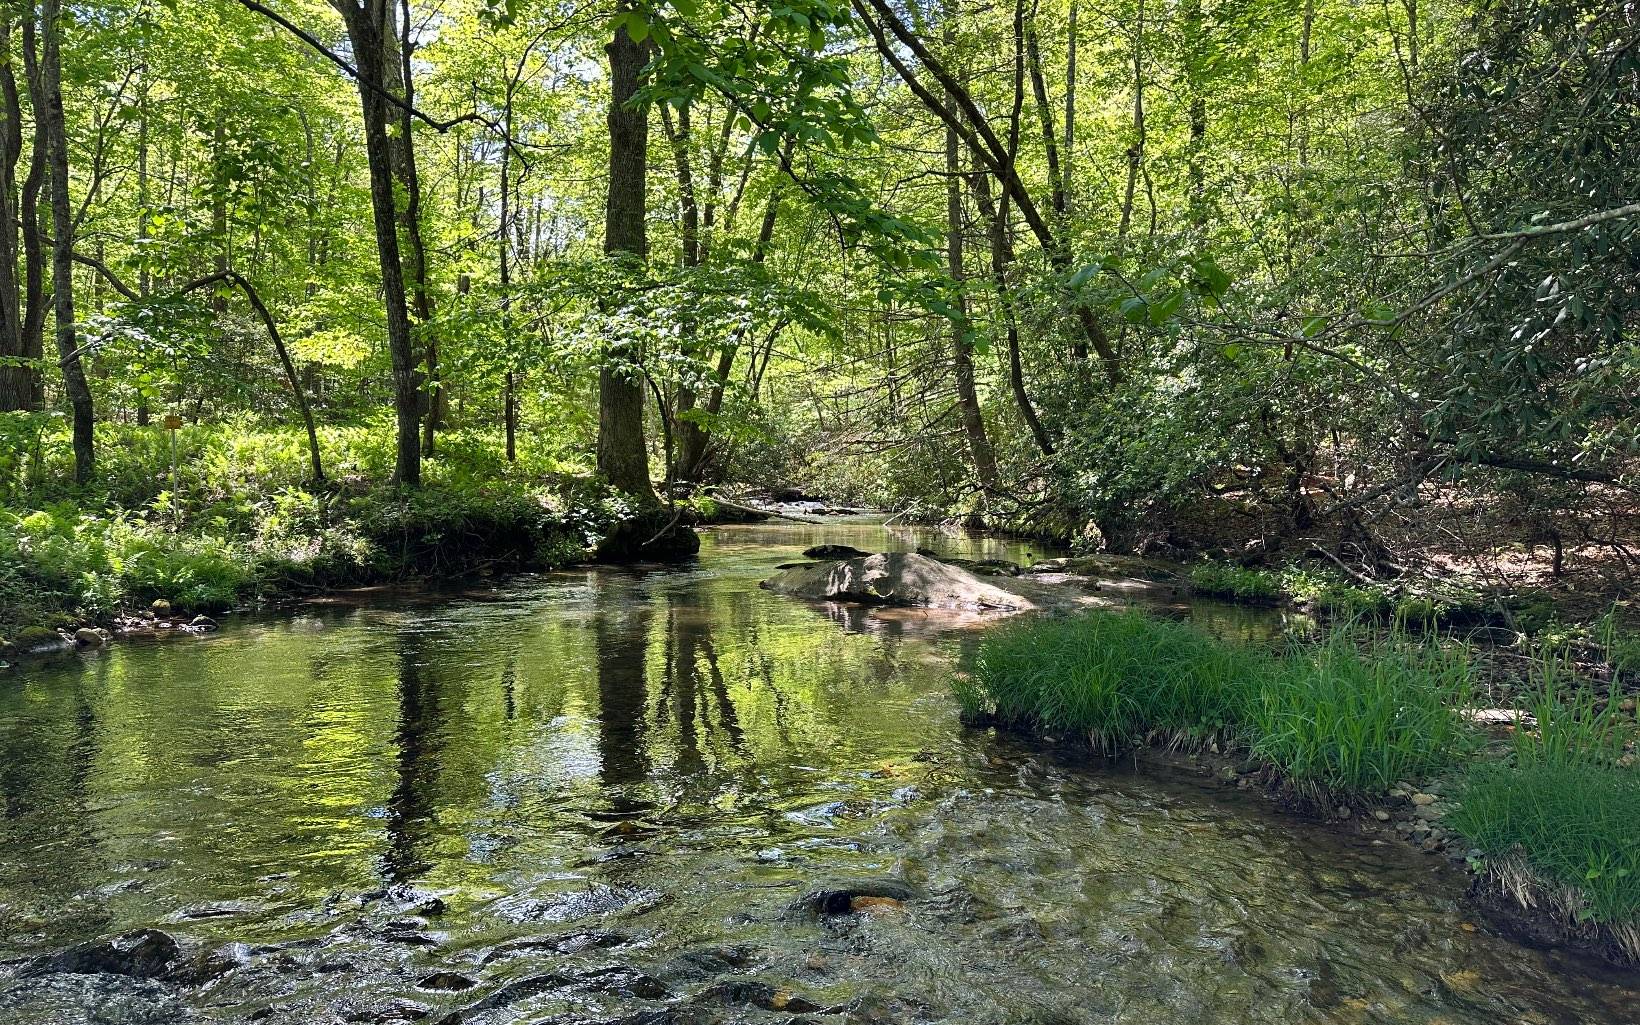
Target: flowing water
(602, 795)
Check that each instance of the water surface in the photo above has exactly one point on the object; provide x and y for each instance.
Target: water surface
(600, 795)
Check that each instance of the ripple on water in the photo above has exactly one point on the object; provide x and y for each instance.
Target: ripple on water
(600, 796)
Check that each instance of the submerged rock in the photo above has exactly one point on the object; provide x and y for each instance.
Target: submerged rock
(750, 992)
(858, 895)
(446, 982)
(896, 578)
(833, 552)
(142, 954)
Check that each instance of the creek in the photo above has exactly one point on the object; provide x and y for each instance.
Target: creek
(604, 795)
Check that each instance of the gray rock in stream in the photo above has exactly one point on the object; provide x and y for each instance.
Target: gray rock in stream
(838, 898)
(142, 954)
(896, 578)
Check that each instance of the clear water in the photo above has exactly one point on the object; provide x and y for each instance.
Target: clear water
(619, 784)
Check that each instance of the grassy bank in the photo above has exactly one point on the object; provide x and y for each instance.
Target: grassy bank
(240, 521)
(1553, 817)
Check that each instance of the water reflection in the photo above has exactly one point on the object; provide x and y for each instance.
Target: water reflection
(419, 738)
(622, 641)
(674, 757)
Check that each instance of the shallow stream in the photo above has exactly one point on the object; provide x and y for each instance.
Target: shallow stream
(602, 795)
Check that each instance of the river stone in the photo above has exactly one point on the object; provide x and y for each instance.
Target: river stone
(895, 578)
(37, 639)
(757, 994)
(86, 637)
(839, 899)
(446, 982)
(142, 954)
(833, 552)
(160, 608)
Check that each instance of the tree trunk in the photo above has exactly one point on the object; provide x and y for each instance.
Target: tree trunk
(1044, 110)
(503, 239)
(694, 453)
(144, 279)
(962, 349)
(16, 386)
(1194, 37)
(622, 458)
(691, 437)
(62, 255)
(34, 260)
(1002, 256)
(399, 48)
(367, 28)
(1136, 152)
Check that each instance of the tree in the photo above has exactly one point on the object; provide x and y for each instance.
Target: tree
(62, 251)
(623, 459)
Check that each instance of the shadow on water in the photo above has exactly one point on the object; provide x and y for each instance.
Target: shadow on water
(596, 795)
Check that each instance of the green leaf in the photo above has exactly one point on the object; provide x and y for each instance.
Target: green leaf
(1312, 326)
(1164, 309)
(1210, 277)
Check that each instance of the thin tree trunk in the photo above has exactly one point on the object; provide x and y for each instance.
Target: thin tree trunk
(62, 255)
(34, 259)
(400, 48)
(219, 206)
(1044, 109)
(622, 458)
(366, 29)
(16, 386)
(689, 434)
(1070, 105)
(695, 457)
(1194, 87)
(1136, 152)
(962, 349)
(964, 115)
(144, 279)
(503, 242)
(1002, 257)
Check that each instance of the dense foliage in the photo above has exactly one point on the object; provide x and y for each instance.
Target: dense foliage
(1352, 280)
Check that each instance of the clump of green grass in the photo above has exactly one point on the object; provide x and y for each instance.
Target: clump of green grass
(1347, 716)
(1355, 714)
(1237, 583)
(1574, 823)
(1116, 677)
(1565, 803)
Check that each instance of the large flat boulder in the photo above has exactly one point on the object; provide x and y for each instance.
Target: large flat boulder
(896, 578)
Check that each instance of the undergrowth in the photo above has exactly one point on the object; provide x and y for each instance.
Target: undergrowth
(241, 521)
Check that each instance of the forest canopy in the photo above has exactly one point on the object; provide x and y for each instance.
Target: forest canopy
(1147, 276)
